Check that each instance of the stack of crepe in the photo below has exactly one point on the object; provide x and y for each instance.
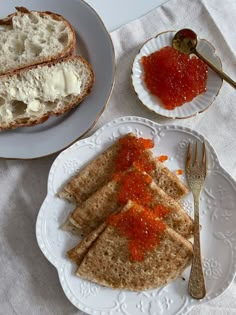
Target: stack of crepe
(103, 255)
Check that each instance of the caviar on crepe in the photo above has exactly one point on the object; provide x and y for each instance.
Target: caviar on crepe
(133, 151)
(142, 229)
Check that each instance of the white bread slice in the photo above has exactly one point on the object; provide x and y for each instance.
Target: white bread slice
(31, 37)
(29, 96)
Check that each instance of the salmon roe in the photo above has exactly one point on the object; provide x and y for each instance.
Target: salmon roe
(160, 211)
(174, 77)
(134, 185)
(162, 158)
(132, 150)
(142, 229)
(179, 172)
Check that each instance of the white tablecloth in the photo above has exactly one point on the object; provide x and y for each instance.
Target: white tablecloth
(28, 283)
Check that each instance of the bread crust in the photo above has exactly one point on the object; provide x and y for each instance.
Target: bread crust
(69, 51)
(31, 122)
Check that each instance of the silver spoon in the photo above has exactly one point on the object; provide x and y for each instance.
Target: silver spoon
(185, 41)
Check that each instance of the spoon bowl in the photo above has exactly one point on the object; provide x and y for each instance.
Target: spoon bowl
(185, 41)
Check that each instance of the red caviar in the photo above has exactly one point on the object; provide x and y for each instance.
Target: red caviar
(174, 77)
(134, 185)
(134, 150)
(142, 229)
(162, 158)
(179, 172)
(160, 211)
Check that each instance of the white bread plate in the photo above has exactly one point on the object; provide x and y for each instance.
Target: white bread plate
(217, 217)
(200, 103)
(95, 45)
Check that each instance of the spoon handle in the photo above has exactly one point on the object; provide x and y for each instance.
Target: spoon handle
(223, 75)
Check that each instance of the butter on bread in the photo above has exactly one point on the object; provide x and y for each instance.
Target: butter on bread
(107, 262)
(100, 170)
(31, 95)
(31, 37)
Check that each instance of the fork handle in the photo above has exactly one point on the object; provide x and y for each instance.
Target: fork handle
(196, 286)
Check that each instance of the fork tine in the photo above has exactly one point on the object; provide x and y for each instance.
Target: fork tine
(204, 153)
(204, 157)
(195, 156)
(188, 159)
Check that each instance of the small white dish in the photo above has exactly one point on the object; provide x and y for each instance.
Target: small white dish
(199, 103)
(217, 217)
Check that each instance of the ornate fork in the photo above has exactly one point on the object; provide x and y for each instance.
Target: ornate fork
(195, 174)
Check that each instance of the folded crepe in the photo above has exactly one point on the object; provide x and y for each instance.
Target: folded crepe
(120, 257)
(113, 195)
(78, 252)
(100, 170)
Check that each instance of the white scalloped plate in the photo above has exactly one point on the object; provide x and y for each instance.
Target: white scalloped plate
(199, 103)
(217, 215)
